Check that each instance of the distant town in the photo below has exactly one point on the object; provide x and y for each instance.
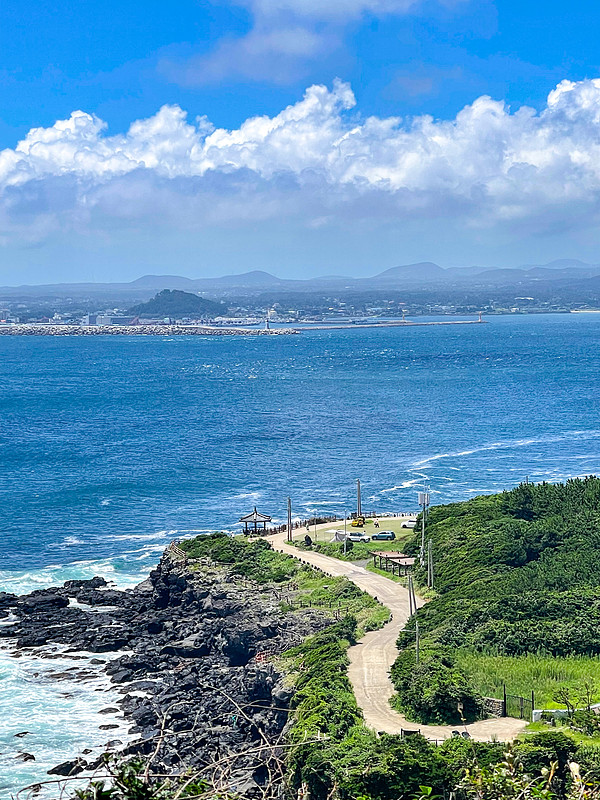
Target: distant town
(253, 298)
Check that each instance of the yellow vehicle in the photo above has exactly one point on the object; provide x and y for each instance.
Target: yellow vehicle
(358, 522)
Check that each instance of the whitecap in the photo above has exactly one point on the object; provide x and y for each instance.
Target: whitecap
(509, 444)
(60, 716)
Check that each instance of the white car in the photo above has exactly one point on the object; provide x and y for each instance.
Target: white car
(358, 537)
(410, 523)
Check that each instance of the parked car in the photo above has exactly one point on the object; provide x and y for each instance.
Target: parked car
(410, 523)
(386, 536)
(358, 536)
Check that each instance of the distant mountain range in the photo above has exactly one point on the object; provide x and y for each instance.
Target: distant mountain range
(424, 275)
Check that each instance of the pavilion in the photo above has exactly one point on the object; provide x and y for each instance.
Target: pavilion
(254, 521)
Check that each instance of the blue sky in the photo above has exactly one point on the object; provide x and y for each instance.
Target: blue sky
(201, 189)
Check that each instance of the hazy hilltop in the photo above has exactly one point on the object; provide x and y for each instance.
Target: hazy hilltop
(176, 303)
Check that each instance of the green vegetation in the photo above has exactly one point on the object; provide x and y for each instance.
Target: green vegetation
(329, 750)
(515, 574)
(538, 671)
(255, 559)
(336, 755)
(175, 303)
(323, 591)
(435, 690)
(245, 558)
(130, 779)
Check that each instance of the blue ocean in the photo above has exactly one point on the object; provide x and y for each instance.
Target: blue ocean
(111, 447)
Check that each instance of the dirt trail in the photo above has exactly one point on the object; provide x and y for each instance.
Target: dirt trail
(372, 657)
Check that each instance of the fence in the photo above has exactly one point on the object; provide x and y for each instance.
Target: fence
(517, 706)
(310, 523)
(510, 705)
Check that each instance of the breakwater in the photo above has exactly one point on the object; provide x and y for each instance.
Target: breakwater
(394, 324)
(45, 329)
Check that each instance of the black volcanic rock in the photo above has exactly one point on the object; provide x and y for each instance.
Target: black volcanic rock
(190, 640)
(69, 768)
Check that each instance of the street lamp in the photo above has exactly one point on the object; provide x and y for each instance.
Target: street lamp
(345, 529)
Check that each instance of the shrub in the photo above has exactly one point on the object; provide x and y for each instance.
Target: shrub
(435, 690)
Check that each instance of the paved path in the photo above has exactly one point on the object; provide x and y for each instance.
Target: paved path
(372, 657)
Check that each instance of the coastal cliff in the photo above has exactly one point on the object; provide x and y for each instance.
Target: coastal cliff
(193, 654)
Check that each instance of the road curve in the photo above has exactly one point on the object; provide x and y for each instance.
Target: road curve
(372, 657)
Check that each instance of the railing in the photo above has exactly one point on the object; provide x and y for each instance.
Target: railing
(176, 552)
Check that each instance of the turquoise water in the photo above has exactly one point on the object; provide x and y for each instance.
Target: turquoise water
(112, 447)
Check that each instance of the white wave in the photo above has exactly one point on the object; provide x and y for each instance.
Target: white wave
(68, 541)
(118, 572)
(247, 496)
(403, 485)
(510, 444)
(59, 714)
(141, 537)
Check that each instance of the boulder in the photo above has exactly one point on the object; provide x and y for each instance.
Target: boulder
(69, 768)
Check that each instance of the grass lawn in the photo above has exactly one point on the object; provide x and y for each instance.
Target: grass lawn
(543, 674)
(359, 551)
(336, 594)
(580, 738)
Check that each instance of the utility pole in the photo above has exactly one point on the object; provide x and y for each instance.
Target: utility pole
(429, 564)
(289, 524)
(424, 503)
(411, 609)
(416, 642)
(358, 502)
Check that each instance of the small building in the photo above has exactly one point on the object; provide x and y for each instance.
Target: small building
(255, 522)
(112, 319)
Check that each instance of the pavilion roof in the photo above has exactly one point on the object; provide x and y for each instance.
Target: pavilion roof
(255, 516)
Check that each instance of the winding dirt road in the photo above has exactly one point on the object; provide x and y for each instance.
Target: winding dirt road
(372, 657)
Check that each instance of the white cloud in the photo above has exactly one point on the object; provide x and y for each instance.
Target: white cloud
(287, 37)
(275, 55)
(332, 9)
(316, 160)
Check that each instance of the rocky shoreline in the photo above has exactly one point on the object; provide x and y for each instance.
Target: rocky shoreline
(136, 330)
(192, 654)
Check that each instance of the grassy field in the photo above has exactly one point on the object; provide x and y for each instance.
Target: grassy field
(385, 524)
(359, 552)
(337, 594)
(543, 674)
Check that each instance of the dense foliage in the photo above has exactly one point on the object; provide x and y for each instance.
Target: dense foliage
(336, 755)
(253, 559)
(177, 304)
(515, 573)
(435, 690)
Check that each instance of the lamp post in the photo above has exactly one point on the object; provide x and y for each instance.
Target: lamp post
(345, 530)
(424, 503)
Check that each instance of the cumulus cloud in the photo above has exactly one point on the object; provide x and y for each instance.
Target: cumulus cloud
(316, 161)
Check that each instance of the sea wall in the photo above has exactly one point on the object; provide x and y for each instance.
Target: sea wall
(136, 330)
